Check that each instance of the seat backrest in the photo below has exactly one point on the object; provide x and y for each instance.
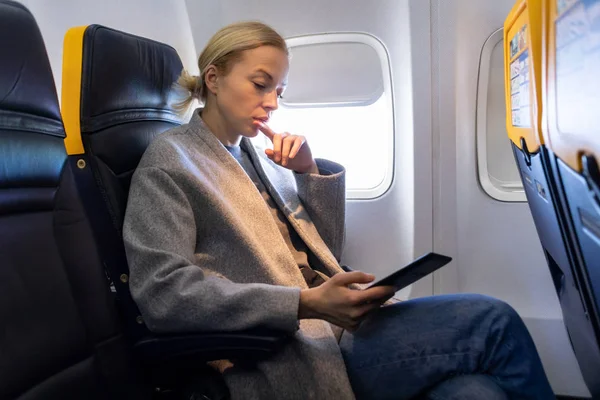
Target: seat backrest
(523, 54)
(60, 335)
(117, 95)
(125, 99)
(572, 129)
(524, 40)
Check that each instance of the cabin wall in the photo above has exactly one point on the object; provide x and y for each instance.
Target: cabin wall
(163, 20)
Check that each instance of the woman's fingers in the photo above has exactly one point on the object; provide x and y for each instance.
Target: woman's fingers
(377, 293)
(277, 142)
(265, 129)
(286, 147)
(346, 278)
(298, 142)
(357, 315)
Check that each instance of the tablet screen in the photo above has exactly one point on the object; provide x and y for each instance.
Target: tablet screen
(416, 270)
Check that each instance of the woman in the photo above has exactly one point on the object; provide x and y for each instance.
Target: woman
(221, 237)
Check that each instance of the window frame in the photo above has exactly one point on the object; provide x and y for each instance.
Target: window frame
(516, 194)
(386, 70)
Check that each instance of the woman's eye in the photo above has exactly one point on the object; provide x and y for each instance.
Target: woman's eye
(259, 86)
(280, 96)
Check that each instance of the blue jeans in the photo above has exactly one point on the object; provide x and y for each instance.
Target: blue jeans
(444, 347)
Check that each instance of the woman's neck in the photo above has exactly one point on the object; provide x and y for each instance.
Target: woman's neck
(217, 125)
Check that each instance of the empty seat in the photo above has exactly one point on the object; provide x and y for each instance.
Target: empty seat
(523, 48)
(60, 333)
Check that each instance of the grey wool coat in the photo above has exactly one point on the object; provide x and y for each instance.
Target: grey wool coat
(206, 255)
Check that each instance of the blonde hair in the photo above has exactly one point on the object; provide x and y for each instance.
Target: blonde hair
(224, 48)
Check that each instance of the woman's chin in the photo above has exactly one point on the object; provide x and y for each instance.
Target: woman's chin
(251, 132)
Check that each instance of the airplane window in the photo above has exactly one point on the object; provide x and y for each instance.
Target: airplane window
(498, 172)
(339, 97)
(351, 136)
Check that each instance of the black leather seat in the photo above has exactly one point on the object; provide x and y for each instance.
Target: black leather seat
(118, 95)
(60, 335)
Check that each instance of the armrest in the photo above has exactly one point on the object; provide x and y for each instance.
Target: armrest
(252, 345)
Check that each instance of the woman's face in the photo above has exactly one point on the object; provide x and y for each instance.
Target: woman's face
(251, 89)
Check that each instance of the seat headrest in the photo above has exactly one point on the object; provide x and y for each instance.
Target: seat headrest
(32, 152)
(117, 95)
(28, 99)
(126, 78)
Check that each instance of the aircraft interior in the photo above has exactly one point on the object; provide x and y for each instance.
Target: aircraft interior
(468, 128)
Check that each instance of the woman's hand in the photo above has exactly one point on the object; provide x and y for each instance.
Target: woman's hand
(334, 302)
(289, 151)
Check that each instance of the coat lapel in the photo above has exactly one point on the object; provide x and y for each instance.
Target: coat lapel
(233, 175)
(281, 185)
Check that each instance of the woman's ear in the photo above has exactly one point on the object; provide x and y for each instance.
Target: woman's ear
(211, 77)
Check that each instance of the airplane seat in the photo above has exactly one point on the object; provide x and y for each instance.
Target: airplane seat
(125, 98)
(523, 41)
(572, 129)
(117, 96)
(61, 336)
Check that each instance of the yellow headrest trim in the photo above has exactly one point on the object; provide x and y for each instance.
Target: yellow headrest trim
(71, 89)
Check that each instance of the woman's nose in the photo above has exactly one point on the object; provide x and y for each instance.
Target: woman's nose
(271, 101)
